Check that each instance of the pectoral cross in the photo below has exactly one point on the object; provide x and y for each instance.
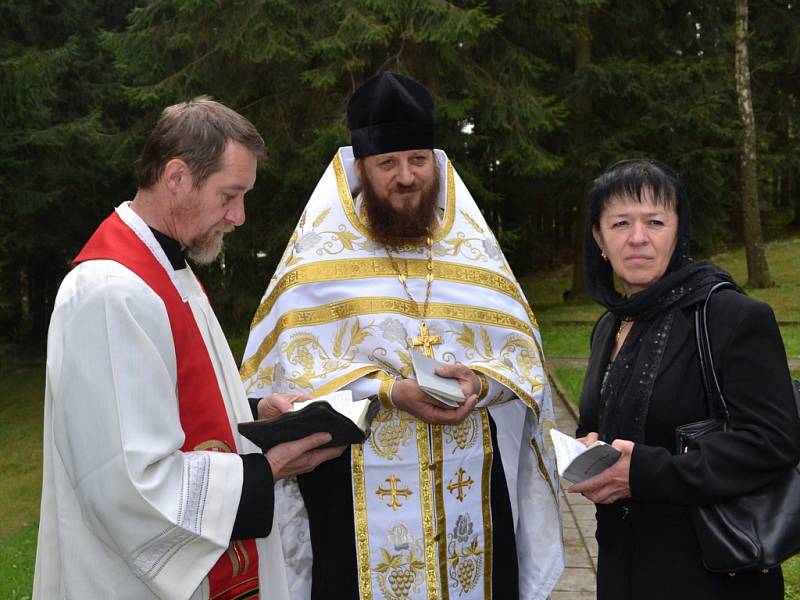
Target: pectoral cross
(394, 492)
(460, 484)
(425, 341)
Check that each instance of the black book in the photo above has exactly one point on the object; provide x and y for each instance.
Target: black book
(346, 420)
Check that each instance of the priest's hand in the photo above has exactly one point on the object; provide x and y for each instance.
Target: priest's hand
(279, 403)
(407, 396)
(467, 379)
(301, 456)
(612, 484)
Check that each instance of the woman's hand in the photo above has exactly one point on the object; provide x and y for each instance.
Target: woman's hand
(279, 403)
(589, 439)
(612, 484)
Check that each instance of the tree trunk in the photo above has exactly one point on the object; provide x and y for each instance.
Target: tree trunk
(757, 268)
(792, 195)
(583, 112)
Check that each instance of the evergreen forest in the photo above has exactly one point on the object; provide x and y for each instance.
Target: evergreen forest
(534, 99)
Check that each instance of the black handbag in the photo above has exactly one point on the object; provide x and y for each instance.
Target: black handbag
(758, 530)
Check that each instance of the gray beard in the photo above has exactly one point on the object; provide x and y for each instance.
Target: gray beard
(205, 249)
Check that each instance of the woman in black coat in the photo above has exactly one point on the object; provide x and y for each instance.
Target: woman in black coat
(644, 380)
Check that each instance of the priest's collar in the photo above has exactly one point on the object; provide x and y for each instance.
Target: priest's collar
(171, 248)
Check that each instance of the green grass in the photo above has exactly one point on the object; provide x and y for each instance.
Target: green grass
(565, 340)
(791, 577)
(572, 340)
(571, 379)
(791, 340)
(21, 414)
(17, 558)
(784, 258)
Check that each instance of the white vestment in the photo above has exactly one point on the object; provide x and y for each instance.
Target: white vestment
(335, 315)
(125, 513)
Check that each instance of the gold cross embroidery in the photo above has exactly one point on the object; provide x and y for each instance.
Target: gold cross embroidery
(460, 483)
(425, 341)
(394, 492)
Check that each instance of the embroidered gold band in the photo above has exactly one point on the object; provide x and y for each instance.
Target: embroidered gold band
(362, 529)
(428, 519)
(484, 385)
(371, 268)
(337, 311)
(385, 392)
(487, 508)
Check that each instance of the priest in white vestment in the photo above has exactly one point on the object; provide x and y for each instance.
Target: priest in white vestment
(148, 489)
(392, 254)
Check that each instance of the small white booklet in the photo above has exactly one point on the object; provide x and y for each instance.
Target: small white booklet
(577, 462)
(445, 389)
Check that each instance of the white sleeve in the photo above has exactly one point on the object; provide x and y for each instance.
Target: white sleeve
(363, 387)
(496, 393)
(117, 432)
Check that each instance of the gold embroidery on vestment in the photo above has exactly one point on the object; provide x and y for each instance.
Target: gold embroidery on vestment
(543, 469)
(465, 555)
(237, 554)
(426, 508)
(441, 516)
(486, 486)
(398, 574)
(459, 484)
(391, 430)
(393, 492)
(362, 528)
(345, 309)
(338, 383)
(369, 268)
(464, 434)
(213, 446)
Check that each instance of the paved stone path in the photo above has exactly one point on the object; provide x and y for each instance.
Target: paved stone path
(577, 514)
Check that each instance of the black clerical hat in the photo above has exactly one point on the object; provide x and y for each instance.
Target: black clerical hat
(390, 112)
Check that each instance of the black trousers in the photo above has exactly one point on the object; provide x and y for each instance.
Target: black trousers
(327, 492)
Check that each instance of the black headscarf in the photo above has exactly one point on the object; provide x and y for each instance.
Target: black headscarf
(684, 283)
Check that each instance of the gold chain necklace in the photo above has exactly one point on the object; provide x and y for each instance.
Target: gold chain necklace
(623, 326)
(402, 277)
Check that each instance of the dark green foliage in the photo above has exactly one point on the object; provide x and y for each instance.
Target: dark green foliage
(82, 83)
(62, 160)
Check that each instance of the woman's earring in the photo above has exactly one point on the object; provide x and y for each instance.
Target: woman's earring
(603, 254)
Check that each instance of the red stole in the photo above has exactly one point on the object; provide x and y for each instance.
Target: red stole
(202, 410)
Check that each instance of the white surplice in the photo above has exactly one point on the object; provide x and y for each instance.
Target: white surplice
(125, 513)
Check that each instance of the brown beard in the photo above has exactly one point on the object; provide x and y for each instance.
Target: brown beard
(387, 223)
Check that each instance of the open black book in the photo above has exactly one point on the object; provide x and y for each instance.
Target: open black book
(346, 420)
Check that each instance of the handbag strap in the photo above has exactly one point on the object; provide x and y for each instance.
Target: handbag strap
(710, 381)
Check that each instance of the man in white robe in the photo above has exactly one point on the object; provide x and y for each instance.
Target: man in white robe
(148, 489)
(391, 253)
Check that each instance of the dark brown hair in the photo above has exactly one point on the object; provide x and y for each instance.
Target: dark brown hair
(196, 132)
